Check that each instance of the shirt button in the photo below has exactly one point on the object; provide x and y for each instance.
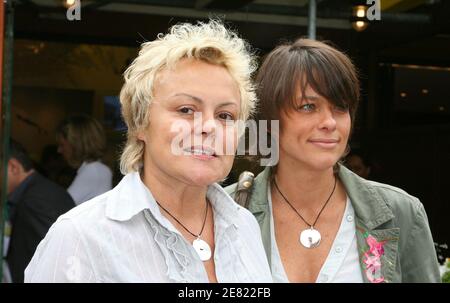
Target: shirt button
(338, 249)
(349, 218)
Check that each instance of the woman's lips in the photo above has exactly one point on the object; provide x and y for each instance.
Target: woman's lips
(325, 143)
(203, 157)
(201, 152)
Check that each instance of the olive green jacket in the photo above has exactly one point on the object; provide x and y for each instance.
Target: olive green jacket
(387, 213)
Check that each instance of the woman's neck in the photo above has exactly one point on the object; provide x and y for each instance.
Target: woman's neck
(305, 187)
(182, 200)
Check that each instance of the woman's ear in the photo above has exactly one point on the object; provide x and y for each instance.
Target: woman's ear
(141, 136)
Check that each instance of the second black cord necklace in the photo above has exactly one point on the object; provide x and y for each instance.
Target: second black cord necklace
(309, 238)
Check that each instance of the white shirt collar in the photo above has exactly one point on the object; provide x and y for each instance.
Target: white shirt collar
(131, 196)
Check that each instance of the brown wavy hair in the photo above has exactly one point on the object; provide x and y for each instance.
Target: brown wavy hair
(86, 137)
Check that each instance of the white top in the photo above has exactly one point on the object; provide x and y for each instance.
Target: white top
(342, 263)
(92, 179)
(122, 236)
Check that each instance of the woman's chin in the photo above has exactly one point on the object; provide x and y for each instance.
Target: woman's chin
(203, 178)
(323, 163)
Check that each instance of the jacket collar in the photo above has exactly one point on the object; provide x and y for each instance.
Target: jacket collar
(129, 198)
(370, 207)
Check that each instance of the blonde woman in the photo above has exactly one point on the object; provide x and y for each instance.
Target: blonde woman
(82, 142)
(167, 220)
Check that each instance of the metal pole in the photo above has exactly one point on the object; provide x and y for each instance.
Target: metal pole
(312, 19)
(6, 113)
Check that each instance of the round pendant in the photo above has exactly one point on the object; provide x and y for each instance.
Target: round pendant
(310, 238)
(202, 248)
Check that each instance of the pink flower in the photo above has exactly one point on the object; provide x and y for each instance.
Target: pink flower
(373, 268)
(375, 280)
(372, 262)
(372, 259)
(375, 247)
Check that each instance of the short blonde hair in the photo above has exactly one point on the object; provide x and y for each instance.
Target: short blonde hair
(210, 42)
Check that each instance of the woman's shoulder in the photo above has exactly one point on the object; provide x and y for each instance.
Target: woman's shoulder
(392, 193)
(89, 212)
(395, 197)
(407, 209)
(76, 236)
(96, 166)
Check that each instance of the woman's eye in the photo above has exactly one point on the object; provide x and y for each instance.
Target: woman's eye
(186, 110)
(308, 107)
(226, 116)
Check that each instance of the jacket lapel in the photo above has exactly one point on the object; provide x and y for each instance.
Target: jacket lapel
(371, 213)
(362, 248)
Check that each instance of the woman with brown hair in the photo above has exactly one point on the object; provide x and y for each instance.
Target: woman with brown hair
(82, 142)
(319, 221)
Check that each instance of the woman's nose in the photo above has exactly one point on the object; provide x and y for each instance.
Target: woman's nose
(209, 127)
(205, 123)
(328, 120)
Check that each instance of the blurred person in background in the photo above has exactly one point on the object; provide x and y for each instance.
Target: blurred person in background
(34, 204)
(358, 163)
(82, 142)
(53, 166)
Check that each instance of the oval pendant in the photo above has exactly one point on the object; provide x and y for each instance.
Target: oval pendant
(202, 248)
(310, 238)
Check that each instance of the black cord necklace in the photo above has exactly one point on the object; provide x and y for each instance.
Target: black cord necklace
(200, 246)
(309, 238)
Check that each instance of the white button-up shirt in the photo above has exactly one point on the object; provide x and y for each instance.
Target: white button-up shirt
(121, 236)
